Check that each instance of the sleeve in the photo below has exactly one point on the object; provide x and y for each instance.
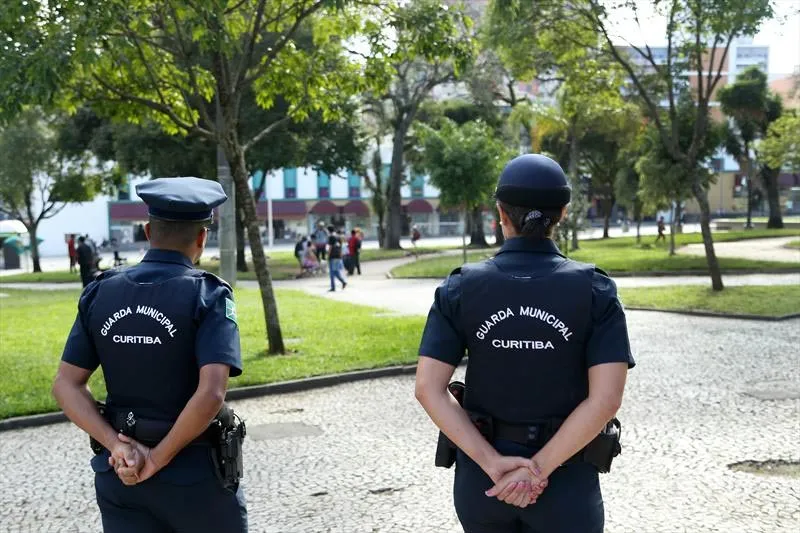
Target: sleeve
(443, 339)
(79, 349)
(218, 332)
(608, 338)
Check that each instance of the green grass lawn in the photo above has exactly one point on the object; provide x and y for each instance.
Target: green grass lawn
(775, 300)
(621, 255)
(34, 326)
(793, 244)
(282, 265)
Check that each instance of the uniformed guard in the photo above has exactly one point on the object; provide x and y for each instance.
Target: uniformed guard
(548, 358)
(168, 452)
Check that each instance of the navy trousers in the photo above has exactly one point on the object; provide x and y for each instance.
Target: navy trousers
(185, 497)
(571, 503)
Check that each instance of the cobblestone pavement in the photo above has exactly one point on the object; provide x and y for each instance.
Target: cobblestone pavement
(359, 457)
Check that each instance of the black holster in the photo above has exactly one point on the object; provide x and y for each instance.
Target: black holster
(602, 450)
(226, 450)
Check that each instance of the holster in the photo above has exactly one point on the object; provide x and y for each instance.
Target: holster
(601, 451)
(226, 453)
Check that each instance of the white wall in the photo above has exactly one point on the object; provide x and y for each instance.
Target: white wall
(88, 217)
(306, 183)
(339, 188)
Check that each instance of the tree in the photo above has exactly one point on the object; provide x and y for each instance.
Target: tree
(605, 147)
(416, 47)
(699, 34)
(459, 111)
(627, 190)
(751, 108)
(463, 162)
(781, 147)
(667, 183)
(169, 62)
(38, 177)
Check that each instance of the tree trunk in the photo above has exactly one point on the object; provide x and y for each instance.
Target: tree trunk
(769, 176)
(394, 206)
(241, 261)
(678, 215)
(235, 155)
(574, 154)
(477, 238)
(637, 216)
(672, 226)
(606, 221)
(464, 236)
(701, 195)
(32, 229)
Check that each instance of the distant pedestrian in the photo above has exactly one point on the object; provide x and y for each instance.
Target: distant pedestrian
(321, 241)
(86, 262)
(661, 228)
(335, 265)
(72, 252)
(299, 250)
(354, 246)
(415, 236)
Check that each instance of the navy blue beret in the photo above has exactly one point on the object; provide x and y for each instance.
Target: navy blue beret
(533, 180)
(178, 199)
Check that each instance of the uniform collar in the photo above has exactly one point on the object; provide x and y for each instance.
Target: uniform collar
(521, 244)
(167, 256)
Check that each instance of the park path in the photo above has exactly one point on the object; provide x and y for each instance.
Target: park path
(772, 249)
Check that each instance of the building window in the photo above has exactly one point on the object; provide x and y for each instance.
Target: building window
(124, 190)
(716, 163)
(353, 185)
(290, 183)
(418, 186)
(323, 185)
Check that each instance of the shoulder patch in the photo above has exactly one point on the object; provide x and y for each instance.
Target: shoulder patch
(215, 278)
(230, 310)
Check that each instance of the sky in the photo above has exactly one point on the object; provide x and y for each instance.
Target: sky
(781, 34)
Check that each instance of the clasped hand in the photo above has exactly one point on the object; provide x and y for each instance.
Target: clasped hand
(133, 461)
(518, 481)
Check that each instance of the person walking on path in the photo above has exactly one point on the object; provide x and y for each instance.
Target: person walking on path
(415, 236)
(354, 246)
(72, 252)
(661, 227)
(321, 241)
(335, 265)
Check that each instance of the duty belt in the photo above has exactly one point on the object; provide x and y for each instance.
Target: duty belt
(147, 431)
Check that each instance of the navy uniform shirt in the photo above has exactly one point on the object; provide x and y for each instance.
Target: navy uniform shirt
(606, 340)
(151, 327)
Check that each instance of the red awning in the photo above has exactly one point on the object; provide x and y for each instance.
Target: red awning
(356, 207)
(283, 209)
(325, 207)
(419, 206)
(127, 211)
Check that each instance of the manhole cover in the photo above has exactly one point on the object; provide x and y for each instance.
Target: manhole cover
(282, 430)
(770, 467)
(774, 390)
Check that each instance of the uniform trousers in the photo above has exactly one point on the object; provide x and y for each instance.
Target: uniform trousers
(185, 497)
(571, 503)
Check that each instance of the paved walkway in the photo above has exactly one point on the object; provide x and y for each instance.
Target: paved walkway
(358, 458)
(772, 249)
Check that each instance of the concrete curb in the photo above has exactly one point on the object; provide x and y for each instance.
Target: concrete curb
(241, 393)
(713, 314)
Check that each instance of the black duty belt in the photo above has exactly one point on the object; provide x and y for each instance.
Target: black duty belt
(148, 431)
(534, 435)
